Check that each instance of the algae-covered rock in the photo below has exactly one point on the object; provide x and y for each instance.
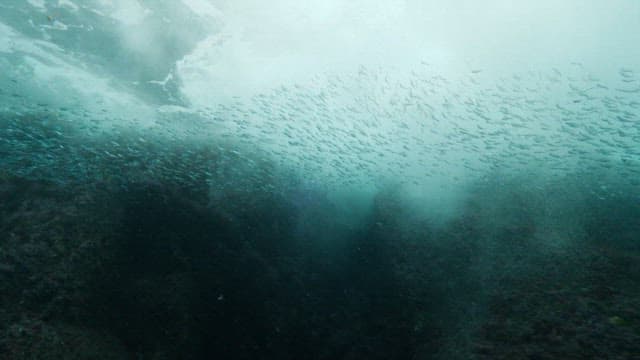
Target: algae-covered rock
(34, 339)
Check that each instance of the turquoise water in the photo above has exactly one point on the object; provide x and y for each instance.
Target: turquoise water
(400, 179)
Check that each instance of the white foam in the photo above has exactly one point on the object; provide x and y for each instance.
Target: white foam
(38, 4)
(68, 4)
(202, 7)
(57, 25)
(270, 43)
(6, 38)
(130, 13)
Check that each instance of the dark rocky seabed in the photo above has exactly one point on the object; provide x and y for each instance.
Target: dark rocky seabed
(156, 269)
